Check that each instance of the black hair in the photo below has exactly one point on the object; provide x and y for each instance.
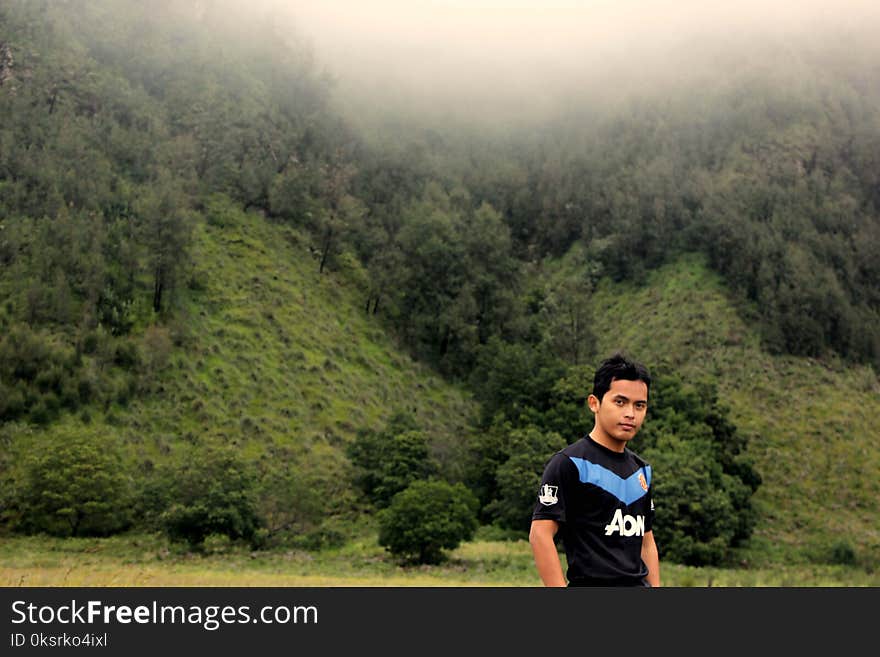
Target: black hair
(618, 366)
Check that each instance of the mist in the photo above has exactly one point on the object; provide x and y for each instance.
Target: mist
(519, 60)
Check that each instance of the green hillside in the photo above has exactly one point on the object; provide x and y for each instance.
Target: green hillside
(270, 357)
(809, 421)
(274, 353)
(285, 363)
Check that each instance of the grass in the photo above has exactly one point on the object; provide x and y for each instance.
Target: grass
(149, 560)
(272, 352)
(269, 355)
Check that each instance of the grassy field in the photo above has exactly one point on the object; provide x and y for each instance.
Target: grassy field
(149, 560)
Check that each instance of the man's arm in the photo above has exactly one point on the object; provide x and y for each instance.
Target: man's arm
(651, 558)
(544, 550)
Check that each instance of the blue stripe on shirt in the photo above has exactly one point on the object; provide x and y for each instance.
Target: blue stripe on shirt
(626, 490)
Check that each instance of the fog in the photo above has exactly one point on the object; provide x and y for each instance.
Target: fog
(521, 59)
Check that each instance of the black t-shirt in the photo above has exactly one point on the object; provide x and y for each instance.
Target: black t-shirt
(602, 502)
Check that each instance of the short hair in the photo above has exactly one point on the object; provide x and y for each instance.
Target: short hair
(618, 366)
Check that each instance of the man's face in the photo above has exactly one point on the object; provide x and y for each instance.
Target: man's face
(622, 411)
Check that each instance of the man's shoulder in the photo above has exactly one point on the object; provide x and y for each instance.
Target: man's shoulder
(564, 455)
(577, 448)
(640, 461)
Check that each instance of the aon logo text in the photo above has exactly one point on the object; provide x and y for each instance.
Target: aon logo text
(626, 525)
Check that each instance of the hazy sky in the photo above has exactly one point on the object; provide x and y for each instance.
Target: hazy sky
(491, 54)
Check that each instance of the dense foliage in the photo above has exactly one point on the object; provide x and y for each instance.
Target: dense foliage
(774, 180)
(211, 493)
(71, 485)
(390, 460)
(120, 121)
(704, 482)
(426, 518)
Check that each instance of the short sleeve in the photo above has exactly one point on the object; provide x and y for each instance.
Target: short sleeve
(556, 482)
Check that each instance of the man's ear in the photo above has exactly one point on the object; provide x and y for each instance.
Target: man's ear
(593, 403)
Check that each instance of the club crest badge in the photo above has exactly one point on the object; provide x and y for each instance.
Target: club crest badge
(548, 495)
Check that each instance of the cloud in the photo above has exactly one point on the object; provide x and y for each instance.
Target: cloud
(494, 55)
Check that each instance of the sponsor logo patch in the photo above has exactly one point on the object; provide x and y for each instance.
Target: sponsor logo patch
(625, 525)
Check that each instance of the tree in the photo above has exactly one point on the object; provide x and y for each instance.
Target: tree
(703, 483)
(388, 461)
(514, 380)
(208, 493)
(697, 515)
(166, 233)
(518, 476)
(426, 518)
(304, 497)
(567, 321)
(343, 210)
(75, 484)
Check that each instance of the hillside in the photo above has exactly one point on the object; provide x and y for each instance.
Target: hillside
(276, 354)
(808, 421)
(284, 363)
(270, 357)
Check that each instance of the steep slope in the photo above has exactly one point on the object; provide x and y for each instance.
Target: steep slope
(268, 355)
(275, 351)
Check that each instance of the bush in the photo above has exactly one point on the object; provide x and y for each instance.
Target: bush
(426, 518)
(304, 498)
(843, 554)
(74, 485)
(517, 479)
(34, 370)
(157, 348)
(208, 494)
(127, 354)
(388, 461)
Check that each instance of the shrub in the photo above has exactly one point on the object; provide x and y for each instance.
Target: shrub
(517, 479)
(426, 518)
(388, 461)
(210, 493)
(157, 348)
(843, 554)
(35, 370)
(75, 485)
(304, 498)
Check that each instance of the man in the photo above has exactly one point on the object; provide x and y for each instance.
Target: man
(597, 493)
